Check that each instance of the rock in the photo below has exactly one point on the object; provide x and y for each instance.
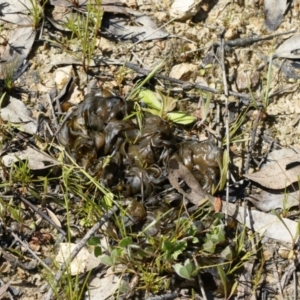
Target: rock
(106, 46)
(247, 80)
(184, 10)
(62, 75)
(183, 71)
(129, 3)
(161, 16)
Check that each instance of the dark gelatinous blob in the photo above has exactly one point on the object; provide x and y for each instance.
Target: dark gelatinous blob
(138, 158)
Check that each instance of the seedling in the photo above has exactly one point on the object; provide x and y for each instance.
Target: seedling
(163, 106)
(85, 28)
(36, 12)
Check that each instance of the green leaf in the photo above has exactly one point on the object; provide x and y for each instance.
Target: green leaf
(189, 266)
(182, 271)
(224, 279)
(174, 249)
(152, 111)
(185, 271)
(150, 99)
(97, 251)
(94, 241)
(209, 246)
(181, 118)
(125, 242)
(107, 260)
(228, 253)
(169, 104)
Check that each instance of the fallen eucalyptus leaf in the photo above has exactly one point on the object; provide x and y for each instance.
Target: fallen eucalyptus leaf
(267, 201)
(115, 26)
(103, 288)
(17, 11)
(17, 114)
(53, 217)
(279, 173)
(289, 48)
(274, 11)
(16, 51)
(3, 289)
(268, 225)
(36, 159)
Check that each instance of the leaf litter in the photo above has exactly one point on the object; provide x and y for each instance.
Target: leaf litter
(80, 134)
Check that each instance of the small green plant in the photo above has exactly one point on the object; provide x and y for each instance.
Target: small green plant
(163, 106)
(7, 73)
(85, 29)
(187, 270)
(36, 11)
(20, 173)
(215, 237)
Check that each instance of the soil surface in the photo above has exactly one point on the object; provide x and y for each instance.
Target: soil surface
(265, 98)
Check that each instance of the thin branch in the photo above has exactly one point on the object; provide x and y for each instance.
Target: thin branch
(78, 247)
(44, 216)
(227, 132)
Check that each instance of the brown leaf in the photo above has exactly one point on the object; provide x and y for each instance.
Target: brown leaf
(267, 200)
(37, 160)
(281, 172)
(218, 204)
(289, 48)
(3, 289)
(274, 10)
(178, 171)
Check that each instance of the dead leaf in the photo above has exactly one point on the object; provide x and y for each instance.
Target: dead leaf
(17, 50)
(289, 48)
(3, 289)
(67, 3)
(53, 217)
(268, 225)
(218, 204)
(17, 114)
(178, 171)
(115, 26)
(267, 201)
(17, 11)
(112, 6)
(280, 172)
(66, 59)
(36, 160)
(79, 263)
(101, 289)
(274, 11)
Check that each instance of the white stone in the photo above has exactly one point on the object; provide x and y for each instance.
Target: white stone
(183, 10)
(183, 71)
(62, 75)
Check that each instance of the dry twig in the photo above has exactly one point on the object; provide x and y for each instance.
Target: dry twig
(79, 246)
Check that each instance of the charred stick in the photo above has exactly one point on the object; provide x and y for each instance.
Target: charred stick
(137, 69)
(242, 42)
